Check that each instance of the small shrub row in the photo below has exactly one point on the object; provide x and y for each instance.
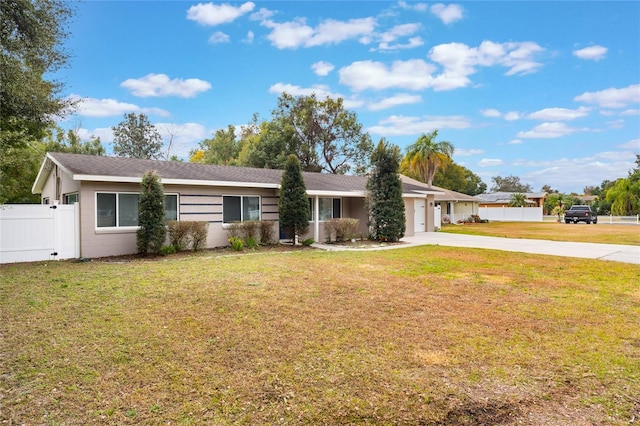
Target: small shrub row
(474, 218)
(184, 235)
(238, 244)
(340, 230)
(252, 232)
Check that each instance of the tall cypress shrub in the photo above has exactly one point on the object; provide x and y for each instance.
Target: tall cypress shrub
(151, 217)
(293, 205)
(385, 205)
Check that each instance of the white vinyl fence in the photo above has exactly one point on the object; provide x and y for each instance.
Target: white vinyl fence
(33, 232)
(608, 219)
(511, 214)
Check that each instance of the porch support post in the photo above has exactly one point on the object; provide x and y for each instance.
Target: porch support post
(316, 219)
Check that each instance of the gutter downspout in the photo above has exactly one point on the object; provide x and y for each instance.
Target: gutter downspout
(316, 219)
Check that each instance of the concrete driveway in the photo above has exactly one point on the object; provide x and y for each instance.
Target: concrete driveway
(612, 252)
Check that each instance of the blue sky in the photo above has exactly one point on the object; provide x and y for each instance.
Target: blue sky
(547, 91)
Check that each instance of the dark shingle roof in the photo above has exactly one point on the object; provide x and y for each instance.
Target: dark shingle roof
(132, 168)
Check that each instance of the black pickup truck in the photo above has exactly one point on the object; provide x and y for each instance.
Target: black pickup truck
(580, 214)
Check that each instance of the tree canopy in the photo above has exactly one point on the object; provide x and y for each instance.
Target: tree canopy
(426, 156)
(509, 184)
(136, 137)
(327, 137)
(322, 134)
(293, 204)
(151, 214)
(384, 202)
(19, 165)
(459, 178)
(32, 33)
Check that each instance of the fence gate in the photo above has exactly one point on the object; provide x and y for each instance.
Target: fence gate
(33, 232)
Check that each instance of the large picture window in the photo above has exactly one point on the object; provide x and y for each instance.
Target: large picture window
(121, 209)
(240, 208)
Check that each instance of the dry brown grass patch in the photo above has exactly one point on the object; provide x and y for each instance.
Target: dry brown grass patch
(427, 335)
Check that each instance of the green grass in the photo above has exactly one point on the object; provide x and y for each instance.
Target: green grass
(427, 335)
(554, 231)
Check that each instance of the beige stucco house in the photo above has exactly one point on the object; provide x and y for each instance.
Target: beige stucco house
(455, 206)
(106, 189)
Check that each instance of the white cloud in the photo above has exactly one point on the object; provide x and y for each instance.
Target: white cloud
(633, 144)
(155, 85)
(322, 68)
(593, 53)
(612, 97)
(289, 35)
(414, 74)
(320, 90)
(554, 114)
(104, 133)
(569, 174)
(334, 32)
(515, 142)
(249, 38)
(388, 39)
(631, 111)
(402, 125)
(490, 162)
(261, 15)
(458, 60)
(447, 14)
(550, 131)
(491, 112)
(216, 14)
(186, 136)
(219, 37)
(294, 34)
(91, 107)
(393, 101)
(460, 152)
(418, 7)
(512, 116)
(616, 124)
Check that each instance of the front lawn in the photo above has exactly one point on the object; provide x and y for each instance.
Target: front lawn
(580, 232)
(425, 335)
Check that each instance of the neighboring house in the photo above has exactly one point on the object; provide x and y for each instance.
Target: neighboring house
(502, 199)
(107, 189)
(454, 205)
(587, 199)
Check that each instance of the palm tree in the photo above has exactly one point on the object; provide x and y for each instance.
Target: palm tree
(624, 197)
(426, 155)
(518, 200)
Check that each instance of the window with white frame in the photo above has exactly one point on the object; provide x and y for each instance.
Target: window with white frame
(70, 198)
(330, 208)
(120, 209)
(237, 208)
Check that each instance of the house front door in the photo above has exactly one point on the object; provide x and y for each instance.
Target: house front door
(419, 215)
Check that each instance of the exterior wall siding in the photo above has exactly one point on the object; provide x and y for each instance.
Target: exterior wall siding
(195, 203)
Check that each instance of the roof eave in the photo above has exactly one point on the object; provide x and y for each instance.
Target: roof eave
(170, 181)
(44, 171)
(321, 193)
